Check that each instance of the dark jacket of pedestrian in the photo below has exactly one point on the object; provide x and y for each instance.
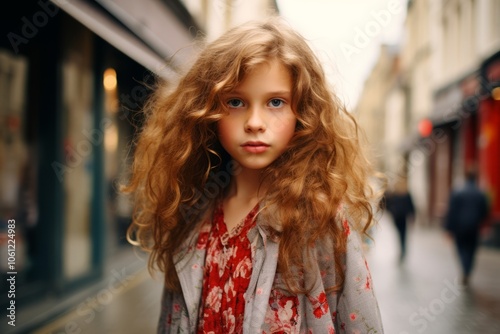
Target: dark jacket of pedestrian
(400, 206)
(468, 208)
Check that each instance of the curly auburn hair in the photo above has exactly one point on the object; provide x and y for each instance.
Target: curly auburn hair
(178, 155)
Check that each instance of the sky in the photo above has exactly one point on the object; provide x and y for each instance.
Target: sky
(346, 35)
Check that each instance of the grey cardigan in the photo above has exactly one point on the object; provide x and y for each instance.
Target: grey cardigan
(353, 310)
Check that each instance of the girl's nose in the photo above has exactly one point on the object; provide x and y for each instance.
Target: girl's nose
(255, 121)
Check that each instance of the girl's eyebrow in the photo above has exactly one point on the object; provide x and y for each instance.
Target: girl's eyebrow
(279, 92)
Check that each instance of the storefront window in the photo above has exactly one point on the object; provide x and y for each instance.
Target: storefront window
(18, 165)
(79, 139)
(116, 147)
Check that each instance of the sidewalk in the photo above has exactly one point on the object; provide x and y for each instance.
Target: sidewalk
(135, 309)
(126, 301)
(424, 295)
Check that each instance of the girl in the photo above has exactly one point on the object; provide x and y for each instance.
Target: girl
(250, 189)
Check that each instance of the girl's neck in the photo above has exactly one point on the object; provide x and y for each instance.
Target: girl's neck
(247, 185)
(243, 194)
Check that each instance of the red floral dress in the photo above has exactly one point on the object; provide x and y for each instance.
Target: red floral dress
(228, 267)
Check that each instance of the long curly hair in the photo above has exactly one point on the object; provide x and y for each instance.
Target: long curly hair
(180, 166)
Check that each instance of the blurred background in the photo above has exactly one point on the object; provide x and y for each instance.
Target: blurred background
(422, 77)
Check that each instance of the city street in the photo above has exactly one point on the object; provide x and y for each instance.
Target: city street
(133, 308)
(421, 295)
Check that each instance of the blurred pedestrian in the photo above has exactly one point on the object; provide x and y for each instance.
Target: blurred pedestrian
(400, 205)
(250, 186)
(467, 210)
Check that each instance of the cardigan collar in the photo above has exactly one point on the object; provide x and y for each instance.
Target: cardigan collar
(190, 260)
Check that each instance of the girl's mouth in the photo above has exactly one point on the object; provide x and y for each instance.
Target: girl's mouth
(255, 146)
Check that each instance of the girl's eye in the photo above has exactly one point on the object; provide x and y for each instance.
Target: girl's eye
(235, 103)
(276, 103)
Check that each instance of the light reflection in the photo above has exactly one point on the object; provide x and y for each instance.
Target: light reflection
(109, 79)
(111, 138)
(495, 93)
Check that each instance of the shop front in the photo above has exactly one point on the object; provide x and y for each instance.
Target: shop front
(467, 119)
(489, 139)
(69, 111)
(444, 160)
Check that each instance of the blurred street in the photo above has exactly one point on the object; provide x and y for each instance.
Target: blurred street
(422, 295)
(130, 304)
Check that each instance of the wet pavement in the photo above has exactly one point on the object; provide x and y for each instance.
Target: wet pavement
(421, 295)
(424, 293)
(133, 310)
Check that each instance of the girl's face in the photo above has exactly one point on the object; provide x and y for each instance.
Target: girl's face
(260, 122)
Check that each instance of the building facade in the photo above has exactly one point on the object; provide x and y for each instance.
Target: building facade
(73, 78)
(74, 75)
(447, 99)
(372, 107)
(465, 108)
(465, 37)
(217, 16)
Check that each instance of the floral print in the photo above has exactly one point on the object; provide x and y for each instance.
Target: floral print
(320, 305)
(228, 266)
(347, 228)
(282, 314)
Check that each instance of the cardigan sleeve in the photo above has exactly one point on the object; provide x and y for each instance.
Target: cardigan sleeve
(173, 314)
(357, 309)
(165, 320)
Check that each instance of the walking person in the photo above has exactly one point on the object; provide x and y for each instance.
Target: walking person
(250, 192)
(467, 210)
(400, 205)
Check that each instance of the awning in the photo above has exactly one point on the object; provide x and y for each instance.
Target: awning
(101, 24)
(160, 24)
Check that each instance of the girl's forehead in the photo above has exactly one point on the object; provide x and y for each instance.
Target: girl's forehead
(266, 75)
(262, 68)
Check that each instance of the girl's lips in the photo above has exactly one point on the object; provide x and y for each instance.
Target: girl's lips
(255, 147)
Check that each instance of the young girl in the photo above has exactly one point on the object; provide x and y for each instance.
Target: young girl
(250, 189)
